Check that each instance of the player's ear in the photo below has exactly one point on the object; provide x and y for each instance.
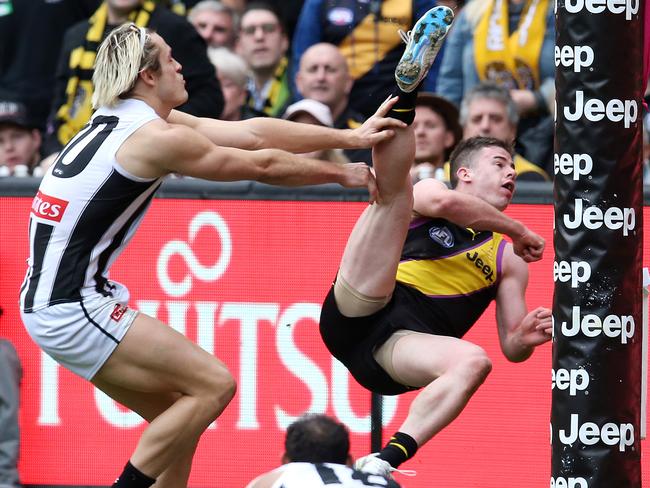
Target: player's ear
(464, 174)
(147, 76)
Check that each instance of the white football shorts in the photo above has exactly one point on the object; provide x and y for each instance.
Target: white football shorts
(80, 335)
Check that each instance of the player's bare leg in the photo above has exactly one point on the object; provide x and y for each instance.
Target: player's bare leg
(449, 369)
(169, 364)
(372, 253)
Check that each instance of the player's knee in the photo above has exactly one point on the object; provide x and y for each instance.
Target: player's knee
(476, 366)
(219, 391)
(228, 387)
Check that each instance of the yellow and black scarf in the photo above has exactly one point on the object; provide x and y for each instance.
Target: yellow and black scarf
(510, 59)
(77, 110)
(279, 94)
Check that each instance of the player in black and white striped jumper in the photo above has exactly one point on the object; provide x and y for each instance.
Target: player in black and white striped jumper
(89, 206)
(317, 455)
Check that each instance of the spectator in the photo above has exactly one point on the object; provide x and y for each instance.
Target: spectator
(216, 23)
(263, 43)
(233, 74)
(72, 108)
(489, 110)
(317, 455)
(366, 32)
(31, 33)
(524, 65)
(324, 76)
(9, 403)
(437, 131)
(20, 141)
(309, 111)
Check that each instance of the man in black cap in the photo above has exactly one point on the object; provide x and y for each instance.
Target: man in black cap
(20, 141)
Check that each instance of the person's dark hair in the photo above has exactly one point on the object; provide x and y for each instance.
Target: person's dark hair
(465, 152)
(262, 5)
(315, 438)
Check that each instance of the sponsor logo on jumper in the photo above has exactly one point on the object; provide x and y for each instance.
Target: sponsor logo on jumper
(47, 207)
(577, 57)
(478, 262)
(118, 312)
(629, 7)
(573, 380)
(591, 325)
(442, 235)
(596, 110)
(575, 271)
(572, 164)
(593, 218)
(590, 433)
(562, 482)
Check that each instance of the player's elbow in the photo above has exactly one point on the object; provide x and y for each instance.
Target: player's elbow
(518, 354)
(265, 165)
(252, 134)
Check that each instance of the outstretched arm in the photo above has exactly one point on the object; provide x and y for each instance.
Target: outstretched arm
(520, 331)
(266, 132)
(159, 148)
(432, 198)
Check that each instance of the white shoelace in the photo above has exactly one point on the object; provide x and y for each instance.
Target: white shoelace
(406, 36)
(405, 472)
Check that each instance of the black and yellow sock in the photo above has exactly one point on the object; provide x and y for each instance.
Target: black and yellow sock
(132, 477)
(404, 109)
(399, 448)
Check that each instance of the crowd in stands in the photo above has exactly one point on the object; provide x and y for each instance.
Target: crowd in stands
(244, 59)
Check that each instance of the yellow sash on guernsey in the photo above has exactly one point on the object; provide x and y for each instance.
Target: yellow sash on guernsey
(464, 273)
(373, 38)
(510, 60)
(77, 110)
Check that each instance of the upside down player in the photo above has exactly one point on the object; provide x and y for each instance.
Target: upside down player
(90, 204)
(419, 268)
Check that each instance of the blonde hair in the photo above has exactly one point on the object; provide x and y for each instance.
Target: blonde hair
(125, 52)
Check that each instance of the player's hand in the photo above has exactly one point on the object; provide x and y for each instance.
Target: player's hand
(356, 175)
(536, 327)
(377, 128)
(528, 245)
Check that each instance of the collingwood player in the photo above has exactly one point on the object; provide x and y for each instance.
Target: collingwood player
(90, 204)
(317, 455)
